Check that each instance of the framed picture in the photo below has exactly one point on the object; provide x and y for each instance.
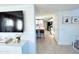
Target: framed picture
(66, 20)
(75, 20)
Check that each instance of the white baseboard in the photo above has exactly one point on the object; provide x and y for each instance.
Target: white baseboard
(59, 43)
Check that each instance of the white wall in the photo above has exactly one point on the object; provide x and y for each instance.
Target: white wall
(67, 32)
(29, 24)
(55, 26)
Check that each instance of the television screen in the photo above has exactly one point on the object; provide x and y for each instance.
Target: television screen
(12, 21)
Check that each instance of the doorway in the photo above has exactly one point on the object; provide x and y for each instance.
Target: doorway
(45, 36)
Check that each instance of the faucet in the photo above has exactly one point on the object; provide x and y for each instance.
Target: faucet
(18, 39)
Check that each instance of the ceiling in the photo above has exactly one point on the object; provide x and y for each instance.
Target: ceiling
(44, 9)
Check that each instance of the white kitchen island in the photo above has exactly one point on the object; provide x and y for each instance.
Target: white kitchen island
(17, 48)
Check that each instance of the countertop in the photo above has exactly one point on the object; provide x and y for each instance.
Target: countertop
(21, 43)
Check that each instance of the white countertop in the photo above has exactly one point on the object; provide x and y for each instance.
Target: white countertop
(40, 28)
(14, 44)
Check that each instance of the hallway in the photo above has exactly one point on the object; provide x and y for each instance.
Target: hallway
(49, 46)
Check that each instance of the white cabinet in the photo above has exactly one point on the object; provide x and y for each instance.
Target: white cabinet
(20, 48)
(10, 49)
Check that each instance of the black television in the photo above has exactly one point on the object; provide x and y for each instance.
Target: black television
(11, 21)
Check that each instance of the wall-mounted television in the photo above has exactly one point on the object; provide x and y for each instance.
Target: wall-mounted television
(12, 21)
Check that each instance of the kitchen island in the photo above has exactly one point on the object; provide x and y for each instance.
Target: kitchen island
(16, 48)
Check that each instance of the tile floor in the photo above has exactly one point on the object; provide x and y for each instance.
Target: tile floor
(49, 46)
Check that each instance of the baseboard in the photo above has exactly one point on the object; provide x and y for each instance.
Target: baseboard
(59, 43)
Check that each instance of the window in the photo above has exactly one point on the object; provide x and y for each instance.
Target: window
(7, 25)
(19, 24)
(12, 21)
(9, 22)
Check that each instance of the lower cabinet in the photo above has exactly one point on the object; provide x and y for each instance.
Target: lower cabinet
(21, 48)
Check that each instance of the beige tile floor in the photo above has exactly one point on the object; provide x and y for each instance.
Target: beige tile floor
(49, 46)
